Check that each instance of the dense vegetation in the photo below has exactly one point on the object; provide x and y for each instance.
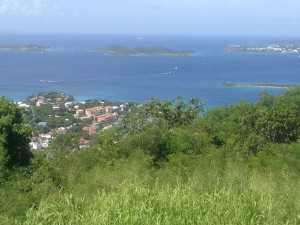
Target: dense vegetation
(14, 134)
(169, 162)
(117, 50)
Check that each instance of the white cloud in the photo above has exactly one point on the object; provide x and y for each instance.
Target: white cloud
(38, 5)
(13, 7)
(9, 7)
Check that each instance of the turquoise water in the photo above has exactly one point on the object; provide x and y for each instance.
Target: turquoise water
(87, 75)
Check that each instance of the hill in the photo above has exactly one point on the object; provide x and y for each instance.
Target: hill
(170, 162)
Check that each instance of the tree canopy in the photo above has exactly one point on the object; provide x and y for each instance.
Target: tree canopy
(14, 135)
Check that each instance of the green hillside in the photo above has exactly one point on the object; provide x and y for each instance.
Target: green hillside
(167, 162)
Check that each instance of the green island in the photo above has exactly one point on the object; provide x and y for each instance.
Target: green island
(25, 47)
(118, 50)
(161, 162)
(260, 85)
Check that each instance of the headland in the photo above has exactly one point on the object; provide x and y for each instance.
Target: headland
(25, 47)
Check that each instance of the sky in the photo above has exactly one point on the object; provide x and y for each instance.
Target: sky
(187, 17)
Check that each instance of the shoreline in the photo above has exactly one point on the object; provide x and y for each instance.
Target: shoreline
(260, 85)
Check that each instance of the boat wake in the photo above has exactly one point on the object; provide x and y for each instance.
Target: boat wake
(48, 81)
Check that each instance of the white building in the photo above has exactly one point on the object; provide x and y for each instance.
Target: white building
(35, 145)
(69, 105)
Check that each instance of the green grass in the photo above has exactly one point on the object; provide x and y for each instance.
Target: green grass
(202, 190)
(136, 204)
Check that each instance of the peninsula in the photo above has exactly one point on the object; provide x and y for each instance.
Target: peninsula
(276, 47)
(25, 47)
(260, 85)
(118, 50)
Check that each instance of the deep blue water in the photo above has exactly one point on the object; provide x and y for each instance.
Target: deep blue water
(87, 75)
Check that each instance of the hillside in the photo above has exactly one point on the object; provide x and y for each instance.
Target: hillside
(168, 162)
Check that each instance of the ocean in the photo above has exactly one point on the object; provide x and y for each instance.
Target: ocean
(76, 70)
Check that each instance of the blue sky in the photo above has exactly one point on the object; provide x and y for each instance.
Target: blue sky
(205, 17)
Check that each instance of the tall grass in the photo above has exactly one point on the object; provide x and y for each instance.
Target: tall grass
(214, 192)
(136, 204)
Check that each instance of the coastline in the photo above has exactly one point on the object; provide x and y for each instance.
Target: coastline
(260, 85)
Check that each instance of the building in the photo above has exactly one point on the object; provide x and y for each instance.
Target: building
(40, 102)
(95, 111)
(99, 110)
(91, 128)
(106, 117)
(23, 105)
(69, 105)
(35, 145)
(42, 124)
(79, 113)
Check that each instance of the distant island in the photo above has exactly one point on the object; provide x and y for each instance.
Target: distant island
(118, 50)
(262, 47)
(25, 47)
(260, 85)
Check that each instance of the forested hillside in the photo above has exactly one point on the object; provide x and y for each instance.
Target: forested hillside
(165, 162)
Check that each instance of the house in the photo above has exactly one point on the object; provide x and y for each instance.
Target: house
(39, 102)
(79, 113)
(23, 105)
(35, 145)
(61, 130)
(69, 105)
(91, 128)
(46, 136)
(42, 124)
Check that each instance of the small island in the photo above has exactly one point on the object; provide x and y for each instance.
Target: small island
(118, 50)
(25, 47)
(262, 85)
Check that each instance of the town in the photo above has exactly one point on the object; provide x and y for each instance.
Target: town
(270, 48)
(54, 113)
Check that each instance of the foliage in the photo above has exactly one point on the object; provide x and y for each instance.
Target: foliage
(175, 113)
(14, 136)
(63, 144)
(280, 123)
(90, 103)
(188, 141)
(167, 162)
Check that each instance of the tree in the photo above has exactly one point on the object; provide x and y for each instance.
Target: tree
(63, 144)
(175, 112)
(280, 122)
(14, 136)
